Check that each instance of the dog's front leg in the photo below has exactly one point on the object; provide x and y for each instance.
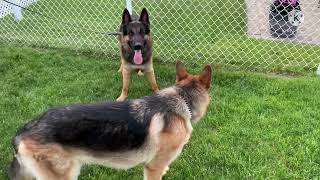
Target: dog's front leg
(152, 80)
(157, 167)
(125, 84)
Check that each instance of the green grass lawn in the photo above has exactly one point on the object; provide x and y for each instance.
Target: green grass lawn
(258, 126)
(195, 31)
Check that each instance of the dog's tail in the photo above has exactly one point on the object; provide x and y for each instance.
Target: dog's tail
(14, 170)
(17, 171)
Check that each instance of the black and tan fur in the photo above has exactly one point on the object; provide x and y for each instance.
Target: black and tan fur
(150, 131)
(135, 34)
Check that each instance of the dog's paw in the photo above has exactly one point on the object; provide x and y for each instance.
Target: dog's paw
(155, 89)
(165, 170)
(121, 98)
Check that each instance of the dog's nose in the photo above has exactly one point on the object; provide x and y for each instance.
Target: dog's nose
(137, 46)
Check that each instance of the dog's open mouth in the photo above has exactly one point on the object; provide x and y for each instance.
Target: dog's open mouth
(137, 59)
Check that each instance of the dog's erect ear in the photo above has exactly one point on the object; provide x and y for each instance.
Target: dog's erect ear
(205, 76)
(181, 73)
(144, 16)
(126, 17)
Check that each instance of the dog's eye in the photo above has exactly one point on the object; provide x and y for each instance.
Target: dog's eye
(131, 32)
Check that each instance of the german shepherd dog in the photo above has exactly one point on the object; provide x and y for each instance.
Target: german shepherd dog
(150, 131)
(135, 49)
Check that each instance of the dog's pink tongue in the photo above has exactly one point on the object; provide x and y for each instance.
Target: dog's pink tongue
(137, 59)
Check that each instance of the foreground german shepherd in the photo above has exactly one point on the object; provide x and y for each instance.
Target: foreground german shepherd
(150, 131)
(135, 49)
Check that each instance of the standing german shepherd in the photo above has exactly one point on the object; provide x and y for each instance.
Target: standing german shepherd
(135, 49)
(150, 131)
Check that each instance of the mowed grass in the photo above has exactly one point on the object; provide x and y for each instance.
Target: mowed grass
(195, 31)
(257, 127)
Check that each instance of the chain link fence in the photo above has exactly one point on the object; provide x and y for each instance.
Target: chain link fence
(242, 34)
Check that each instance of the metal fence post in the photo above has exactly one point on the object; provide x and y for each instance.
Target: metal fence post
(16, 10)
(129, 6)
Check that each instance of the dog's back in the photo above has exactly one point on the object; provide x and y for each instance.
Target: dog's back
(110, 126)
